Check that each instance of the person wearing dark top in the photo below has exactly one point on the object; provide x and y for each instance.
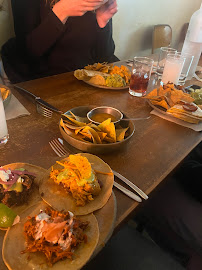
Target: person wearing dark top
(58, 36)
(173, 215)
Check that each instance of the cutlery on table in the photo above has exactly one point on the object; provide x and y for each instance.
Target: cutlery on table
(58, 148)
(43, 107)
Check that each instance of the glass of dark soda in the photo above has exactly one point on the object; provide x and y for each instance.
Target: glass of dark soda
(141, 72)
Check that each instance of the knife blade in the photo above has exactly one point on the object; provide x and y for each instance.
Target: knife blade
(39, 100)
(130, 184)
(128, 192)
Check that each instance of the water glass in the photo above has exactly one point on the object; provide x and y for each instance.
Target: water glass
(3, 126)
(186, 67)
(173, 68)
(141, 72)
(164, 51)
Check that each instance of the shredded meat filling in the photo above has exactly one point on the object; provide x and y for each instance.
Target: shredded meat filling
(55, 251)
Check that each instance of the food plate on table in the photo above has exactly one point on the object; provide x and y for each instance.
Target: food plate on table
(67, 241)
(105, 75)
(174, 102)
(81, 183)
(112, 137)
(6, 94)
(19, 185)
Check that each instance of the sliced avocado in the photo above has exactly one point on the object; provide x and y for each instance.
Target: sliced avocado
(17, 187)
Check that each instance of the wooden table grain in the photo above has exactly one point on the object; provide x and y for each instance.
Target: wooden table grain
(153, 152)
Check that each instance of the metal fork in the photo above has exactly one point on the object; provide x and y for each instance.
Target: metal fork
(43, 111)
(42, 107)
(58, 148)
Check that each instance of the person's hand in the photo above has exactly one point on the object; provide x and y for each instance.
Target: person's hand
(66, 8)
(105, 12)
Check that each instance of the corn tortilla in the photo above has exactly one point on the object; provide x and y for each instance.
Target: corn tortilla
(14, 243)
(58, 198)
(35, 195)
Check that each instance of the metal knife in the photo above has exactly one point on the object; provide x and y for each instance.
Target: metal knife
(39, 100)
(128, 192)
(130, 184)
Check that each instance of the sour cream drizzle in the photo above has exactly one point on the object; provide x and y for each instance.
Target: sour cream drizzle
(54, 231)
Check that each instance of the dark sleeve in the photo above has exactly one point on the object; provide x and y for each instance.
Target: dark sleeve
(34, 34)
(105, 44)
(190, 177)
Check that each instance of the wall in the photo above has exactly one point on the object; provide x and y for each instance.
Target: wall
(134, 22)
(6, 23)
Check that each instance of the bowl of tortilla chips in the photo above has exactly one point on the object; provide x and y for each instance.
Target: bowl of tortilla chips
(93, 138)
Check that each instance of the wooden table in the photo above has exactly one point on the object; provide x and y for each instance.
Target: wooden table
(153, 152)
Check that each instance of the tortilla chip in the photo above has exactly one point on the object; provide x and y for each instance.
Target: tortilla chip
(4, 92)
(161, 103)
(14, 243)
(59, 199)
(68, 118)
(95, 136)
(120, 134)
(152, 94)
(102, 135)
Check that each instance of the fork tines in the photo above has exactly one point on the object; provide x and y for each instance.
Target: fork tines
(44, 111)
(58, 148)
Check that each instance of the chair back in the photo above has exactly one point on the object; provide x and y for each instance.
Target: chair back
(162, 36)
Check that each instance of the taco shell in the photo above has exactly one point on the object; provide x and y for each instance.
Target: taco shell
(14, 243)
(35, 195)
(59, 199)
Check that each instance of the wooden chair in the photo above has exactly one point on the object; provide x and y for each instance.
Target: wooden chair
(162, 36)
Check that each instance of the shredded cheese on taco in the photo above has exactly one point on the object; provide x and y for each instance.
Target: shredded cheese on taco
(78, 178)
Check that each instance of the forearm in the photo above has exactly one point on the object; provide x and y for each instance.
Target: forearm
(35, 34)
(105, 45)
(40, 40)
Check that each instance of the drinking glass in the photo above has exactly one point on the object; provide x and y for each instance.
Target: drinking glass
(186, 67)
(173, 68)
(3, 126)
(164, 51)
(141, 72)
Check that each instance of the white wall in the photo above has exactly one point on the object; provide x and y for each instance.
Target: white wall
(6, 23)
(132, 25)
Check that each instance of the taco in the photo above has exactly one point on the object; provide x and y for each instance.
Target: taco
(46, 237)
(19, 185)
(81, 183)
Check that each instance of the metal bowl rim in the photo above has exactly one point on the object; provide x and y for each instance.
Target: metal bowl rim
(101, 107)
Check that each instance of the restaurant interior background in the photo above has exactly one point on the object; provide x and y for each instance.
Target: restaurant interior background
(132, 25)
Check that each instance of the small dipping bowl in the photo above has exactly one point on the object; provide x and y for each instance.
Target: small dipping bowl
(100, 114)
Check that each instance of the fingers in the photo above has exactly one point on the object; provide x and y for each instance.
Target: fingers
(92, 4)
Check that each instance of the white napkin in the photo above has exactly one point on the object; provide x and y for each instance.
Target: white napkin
(15, 109)
(196, 127)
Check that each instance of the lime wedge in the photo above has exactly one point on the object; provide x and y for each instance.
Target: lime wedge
(7, 216)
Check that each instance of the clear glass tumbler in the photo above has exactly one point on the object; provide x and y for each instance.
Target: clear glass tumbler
(186, 67)
(141, 72)
(164, 51)
(3, 126)
(173, 68)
